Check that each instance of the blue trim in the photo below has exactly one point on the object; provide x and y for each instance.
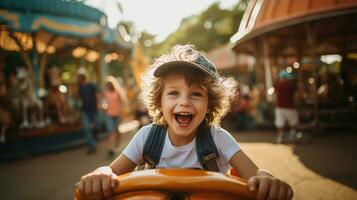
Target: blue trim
(56, 25)
(60, 8)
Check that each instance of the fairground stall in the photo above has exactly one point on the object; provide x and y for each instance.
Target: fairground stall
(316, 42)
(43, 43)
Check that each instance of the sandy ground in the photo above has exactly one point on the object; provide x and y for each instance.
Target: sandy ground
(323, 168)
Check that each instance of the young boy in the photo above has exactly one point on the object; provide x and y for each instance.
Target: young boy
(182, 92)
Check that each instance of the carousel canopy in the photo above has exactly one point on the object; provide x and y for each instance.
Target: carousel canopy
(38, 28)
(55, 16)
(57, 23)
(283, 23)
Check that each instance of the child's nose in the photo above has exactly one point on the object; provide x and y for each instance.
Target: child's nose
(184, 100)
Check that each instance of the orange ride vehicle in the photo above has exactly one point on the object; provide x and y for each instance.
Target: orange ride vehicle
(178, 184)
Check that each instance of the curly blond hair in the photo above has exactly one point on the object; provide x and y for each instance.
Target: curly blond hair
(221, 91)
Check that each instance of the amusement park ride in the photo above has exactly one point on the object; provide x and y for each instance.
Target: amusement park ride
(185, 184)
(36, 33)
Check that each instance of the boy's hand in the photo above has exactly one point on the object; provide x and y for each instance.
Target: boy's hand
(98, 184)
(269, 187)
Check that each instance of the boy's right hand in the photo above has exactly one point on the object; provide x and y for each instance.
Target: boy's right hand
(98, 184)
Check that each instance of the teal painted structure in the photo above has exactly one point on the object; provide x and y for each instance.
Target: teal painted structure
(58, 17)
(66, 19)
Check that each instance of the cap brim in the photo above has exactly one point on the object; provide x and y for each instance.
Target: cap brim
(173, 64)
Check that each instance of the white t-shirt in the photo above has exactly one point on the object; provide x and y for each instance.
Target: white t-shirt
(184, 156)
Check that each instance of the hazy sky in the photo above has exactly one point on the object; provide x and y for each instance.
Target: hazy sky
(158, 17)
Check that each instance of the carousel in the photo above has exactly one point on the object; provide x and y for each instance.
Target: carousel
(38, 39)
(314, 41)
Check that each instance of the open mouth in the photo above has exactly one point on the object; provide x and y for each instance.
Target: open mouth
(183, 117)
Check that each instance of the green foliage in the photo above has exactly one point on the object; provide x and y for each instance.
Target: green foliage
(208, 30)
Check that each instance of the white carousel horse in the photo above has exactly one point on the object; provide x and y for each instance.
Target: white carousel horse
(27, 100)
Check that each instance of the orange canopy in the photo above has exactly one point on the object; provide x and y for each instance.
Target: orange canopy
(281, 20)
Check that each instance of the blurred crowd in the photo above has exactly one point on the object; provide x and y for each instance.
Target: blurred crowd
(26, 108)
(250, 110)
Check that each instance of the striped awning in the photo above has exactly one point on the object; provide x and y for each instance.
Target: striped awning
(68, 21)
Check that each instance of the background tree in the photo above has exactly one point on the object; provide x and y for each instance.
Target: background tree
(207, 30)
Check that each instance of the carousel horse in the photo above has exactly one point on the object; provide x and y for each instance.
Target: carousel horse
(28, 100)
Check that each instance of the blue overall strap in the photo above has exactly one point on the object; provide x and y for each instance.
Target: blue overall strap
(206, 149)
(154, 145)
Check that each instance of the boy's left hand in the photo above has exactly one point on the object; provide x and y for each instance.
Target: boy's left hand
(269, 187)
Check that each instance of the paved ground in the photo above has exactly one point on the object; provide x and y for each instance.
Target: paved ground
(324, 168)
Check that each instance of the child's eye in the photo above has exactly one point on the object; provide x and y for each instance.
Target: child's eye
(197, 94)
(172, 93)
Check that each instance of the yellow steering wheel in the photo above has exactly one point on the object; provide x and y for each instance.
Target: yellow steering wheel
(185, 184)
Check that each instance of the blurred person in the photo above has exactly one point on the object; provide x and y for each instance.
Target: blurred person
(285, 112)
(89, 95)
(186, 98)
(244, 116)
(254, 101)
(115, 101)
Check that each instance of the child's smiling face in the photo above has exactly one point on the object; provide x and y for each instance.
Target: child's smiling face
(184, 107)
